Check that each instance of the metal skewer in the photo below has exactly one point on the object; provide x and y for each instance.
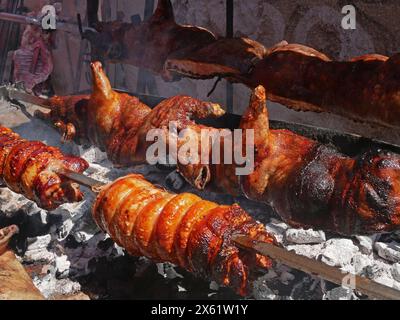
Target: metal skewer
(314, 267)
(93, 184)
(15, 94)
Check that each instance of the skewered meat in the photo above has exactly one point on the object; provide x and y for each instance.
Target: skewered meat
(312, 185)
(15, 283)
(118, 123)
(308, 184)
(183, 229)
(30, 168)
(231, 58)
(364, 88)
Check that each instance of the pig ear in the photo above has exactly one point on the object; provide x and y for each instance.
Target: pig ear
(164, 11)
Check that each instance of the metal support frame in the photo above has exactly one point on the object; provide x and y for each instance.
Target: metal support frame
(229, 34)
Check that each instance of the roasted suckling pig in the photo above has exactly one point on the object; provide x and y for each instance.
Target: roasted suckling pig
(364, 88)
(181, 228)
(118, 123)
(30, 168)
(15, 283)
(313, 185)
(308, 184)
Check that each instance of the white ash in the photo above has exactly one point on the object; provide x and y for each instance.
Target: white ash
(310, 251)
(37, 250)
(389, 251)
(277, 228)
(340, 293)
(214, 286)
(301, 236)
(51, 286)
(338, 252)
(365, 243)
(261, 291)
(396, 271)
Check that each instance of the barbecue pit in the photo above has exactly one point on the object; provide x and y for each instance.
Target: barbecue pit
(68, 257)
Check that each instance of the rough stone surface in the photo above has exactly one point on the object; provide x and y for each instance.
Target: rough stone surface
(301, 236)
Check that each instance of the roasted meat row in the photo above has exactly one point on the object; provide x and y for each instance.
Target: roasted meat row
(364, 88)
(308, 184)
(181, 228)
(31, 168)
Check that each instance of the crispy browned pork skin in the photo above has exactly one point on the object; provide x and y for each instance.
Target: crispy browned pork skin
(30, 168)
(181, 228)
(364, 89)
(308, 184)
(15, 283)
(312, 185)
(118, 123)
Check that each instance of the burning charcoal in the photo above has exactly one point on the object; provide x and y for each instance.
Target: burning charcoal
(365, 243)
(37, 250)
(310, 251)
(338, 252)
(388, 251)
(301, 236)
(174, 181)
(62, 266)
(261, 291)
(277, 228)
(359, 263)
(339, 293)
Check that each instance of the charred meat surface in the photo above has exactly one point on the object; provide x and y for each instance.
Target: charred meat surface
(30, 168)
(181, 228)
(313, 185)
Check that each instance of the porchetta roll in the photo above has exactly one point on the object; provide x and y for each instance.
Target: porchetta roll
(181, 228)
